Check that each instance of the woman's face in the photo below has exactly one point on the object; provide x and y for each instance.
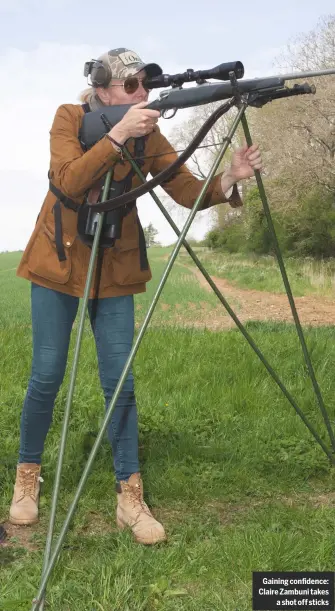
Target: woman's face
(115, 94)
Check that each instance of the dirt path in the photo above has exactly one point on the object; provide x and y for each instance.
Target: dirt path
(265, 306)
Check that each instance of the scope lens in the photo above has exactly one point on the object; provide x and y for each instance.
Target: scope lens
(239, 70)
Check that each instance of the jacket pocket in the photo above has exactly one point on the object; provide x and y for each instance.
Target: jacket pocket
(43, 259)
(124, 266)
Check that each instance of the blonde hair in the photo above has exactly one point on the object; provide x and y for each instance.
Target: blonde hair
(86, 95)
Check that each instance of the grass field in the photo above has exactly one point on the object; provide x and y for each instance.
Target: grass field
(306, 276)
(228, 466)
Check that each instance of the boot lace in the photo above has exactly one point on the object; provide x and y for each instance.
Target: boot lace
(28, 480)
(134, 494)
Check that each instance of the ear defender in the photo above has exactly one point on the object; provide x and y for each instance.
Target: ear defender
(100, 74)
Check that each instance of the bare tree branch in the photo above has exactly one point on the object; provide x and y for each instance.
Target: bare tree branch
(197, 163)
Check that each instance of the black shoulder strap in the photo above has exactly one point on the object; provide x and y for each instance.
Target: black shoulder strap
(67, 201)
(139, 149)
(86, 107)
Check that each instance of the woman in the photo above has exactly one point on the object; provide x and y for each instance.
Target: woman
(57, 282)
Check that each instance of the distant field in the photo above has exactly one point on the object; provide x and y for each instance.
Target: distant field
(228, 466)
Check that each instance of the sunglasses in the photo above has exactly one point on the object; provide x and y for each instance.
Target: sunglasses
(131, 84)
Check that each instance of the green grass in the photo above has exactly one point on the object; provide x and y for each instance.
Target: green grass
(9, 260)
(306, 276)
(228, 466)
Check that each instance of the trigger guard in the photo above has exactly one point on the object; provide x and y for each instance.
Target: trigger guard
(166, 110)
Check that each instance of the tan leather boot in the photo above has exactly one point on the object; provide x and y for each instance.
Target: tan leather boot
(133, 512)
(24, 507)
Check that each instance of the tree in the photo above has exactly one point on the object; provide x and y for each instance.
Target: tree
(297, 135)
(150, 234)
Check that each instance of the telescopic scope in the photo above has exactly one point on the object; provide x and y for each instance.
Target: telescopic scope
(220, 72)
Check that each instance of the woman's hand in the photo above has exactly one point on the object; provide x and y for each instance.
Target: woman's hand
(244, 162)
(138, 121)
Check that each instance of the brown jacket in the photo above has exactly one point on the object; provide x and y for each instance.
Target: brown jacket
(73, 172)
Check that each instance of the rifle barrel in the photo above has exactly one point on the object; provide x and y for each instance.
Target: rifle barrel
(307, 74)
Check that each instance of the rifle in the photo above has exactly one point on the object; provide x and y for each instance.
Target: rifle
(247, 92)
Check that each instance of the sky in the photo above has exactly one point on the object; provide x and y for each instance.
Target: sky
(44, 45)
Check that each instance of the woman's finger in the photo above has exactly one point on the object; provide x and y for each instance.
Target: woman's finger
(252, 156)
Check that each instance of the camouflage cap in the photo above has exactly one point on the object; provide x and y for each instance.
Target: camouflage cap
(124, 62)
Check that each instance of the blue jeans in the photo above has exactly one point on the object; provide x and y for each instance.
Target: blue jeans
(53, 314)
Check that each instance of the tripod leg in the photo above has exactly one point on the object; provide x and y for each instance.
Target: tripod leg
(288, 290)
(58, 545)
(84, 303)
